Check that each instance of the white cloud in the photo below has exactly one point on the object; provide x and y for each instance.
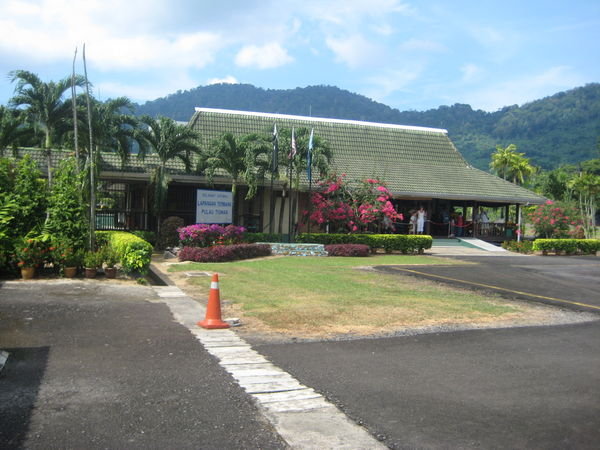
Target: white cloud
(354, 51)
(524, 89)
(226, 80)
(267, 56)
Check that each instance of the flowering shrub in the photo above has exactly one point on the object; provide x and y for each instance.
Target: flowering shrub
(351, 207)
(553, 221)
(204, 235)
(31, 252)
(222, 253)
(518, 247)
(66, 255)
(347, 250)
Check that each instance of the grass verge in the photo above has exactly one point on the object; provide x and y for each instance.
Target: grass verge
(331, 296)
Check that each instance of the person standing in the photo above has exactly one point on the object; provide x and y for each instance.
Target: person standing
(413, 222)
(421, 217)
(460, 224)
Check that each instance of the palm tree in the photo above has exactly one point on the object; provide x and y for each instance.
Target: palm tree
(168, 140)
(509, 164)
(115, 128)
(12, 129)
(243, 158)
(45, 107)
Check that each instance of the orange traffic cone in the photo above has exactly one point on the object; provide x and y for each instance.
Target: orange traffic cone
(213, 309)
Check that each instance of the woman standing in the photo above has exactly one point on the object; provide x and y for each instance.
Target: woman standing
(421, 216)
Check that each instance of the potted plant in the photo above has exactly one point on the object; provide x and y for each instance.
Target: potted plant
(91, 262)
(111, 258)
(68, 257)
(30, 255)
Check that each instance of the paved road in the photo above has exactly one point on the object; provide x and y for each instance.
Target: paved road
(536, 387)
(94, 365)
(572, 282)
(526, 388)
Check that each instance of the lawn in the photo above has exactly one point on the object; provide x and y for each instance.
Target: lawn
(315, 296)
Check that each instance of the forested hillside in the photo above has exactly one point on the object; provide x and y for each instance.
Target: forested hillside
(560, 129)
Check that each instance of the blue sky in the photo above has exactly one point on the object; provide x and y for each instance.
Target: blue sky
(407, 54)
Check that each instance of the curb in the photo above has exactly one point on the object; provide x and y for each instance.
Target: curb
(301, 416)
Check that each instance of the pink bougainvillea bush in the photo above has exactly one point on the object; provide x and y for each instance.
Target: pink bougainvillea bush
(205, 235)
(352, 206)
(552, 220)
(222, 253)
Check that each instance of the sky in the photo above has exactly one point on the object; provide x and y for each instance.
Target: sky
(410, 55)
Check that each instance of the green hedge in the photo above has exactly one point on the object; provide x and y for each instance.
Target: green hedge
(134, 253)
(405, 243)
(569, 246)
(252, 238)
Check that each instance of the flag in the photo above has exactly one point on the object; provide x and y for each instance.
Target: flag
(293, 150)
(275, 157)
(309, 156)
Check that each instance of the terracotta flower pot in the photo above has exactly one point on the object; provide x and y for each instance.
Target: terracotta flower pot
(70, 272)
(27, 273)
(110, 272)
(90, 272)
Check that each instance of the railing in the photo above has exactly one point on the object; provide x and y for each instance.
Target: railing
(114, 219)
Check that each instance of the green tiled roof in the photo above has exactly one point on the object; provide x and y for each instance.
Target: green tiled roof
(415, 162)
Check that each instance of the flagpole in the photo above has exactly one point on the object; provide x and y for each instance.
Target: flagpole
(291, 165)
(309, 173)
(274, 168)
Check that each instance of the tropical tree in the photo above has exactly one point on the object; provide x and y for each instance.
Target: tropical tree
(587, 188)
(44, 106)
(167, 140)
(243, 158)
(115, 128)
(12, 129)
(511, 165)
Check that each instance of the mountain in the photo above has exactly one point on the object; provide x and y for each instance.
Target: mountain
(561, 129)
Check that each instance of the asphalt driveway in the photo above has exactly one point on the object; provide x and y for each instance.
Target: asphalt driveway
(97, 365)
(572, 282)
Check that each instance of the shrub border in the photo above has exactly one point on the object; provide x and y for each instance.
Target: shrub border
(568, 246)
(404, 243)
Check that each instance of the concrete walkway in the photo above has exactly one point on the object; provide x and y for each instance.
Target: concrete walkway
(299, 414)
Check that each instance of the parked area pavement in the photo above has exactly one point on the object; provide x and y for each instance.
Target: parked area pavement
(566, 281)
(96, 365)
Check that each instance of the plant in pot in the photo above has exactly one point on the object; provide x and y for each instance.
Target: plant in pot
(29, 254)
(68, 257)
(91, 262)
(111, 258)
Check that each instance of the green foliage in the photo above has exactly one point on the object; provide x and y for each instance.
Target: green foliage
(169, 236)
(66, 254)
(553, 220)
(518, 247)
(92, 259)
(67, 213)
(389, 242)
(148, 236)
(31, 251)
(511, 165)
(251, 238)
(134, 253)
(569, 246)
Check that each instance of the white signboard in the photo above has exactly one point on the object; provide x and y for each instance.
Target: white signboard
(214, 206)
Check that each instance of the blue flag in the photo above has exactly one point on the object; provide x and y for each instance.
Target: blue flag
(309, 156)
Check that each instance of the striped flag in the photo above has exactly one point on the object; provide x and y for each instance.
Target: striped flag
(309, 156)
(275, 157)
(293, 150)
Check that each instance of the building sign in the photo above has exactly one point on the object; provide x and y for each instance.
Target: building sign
(214, 206)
